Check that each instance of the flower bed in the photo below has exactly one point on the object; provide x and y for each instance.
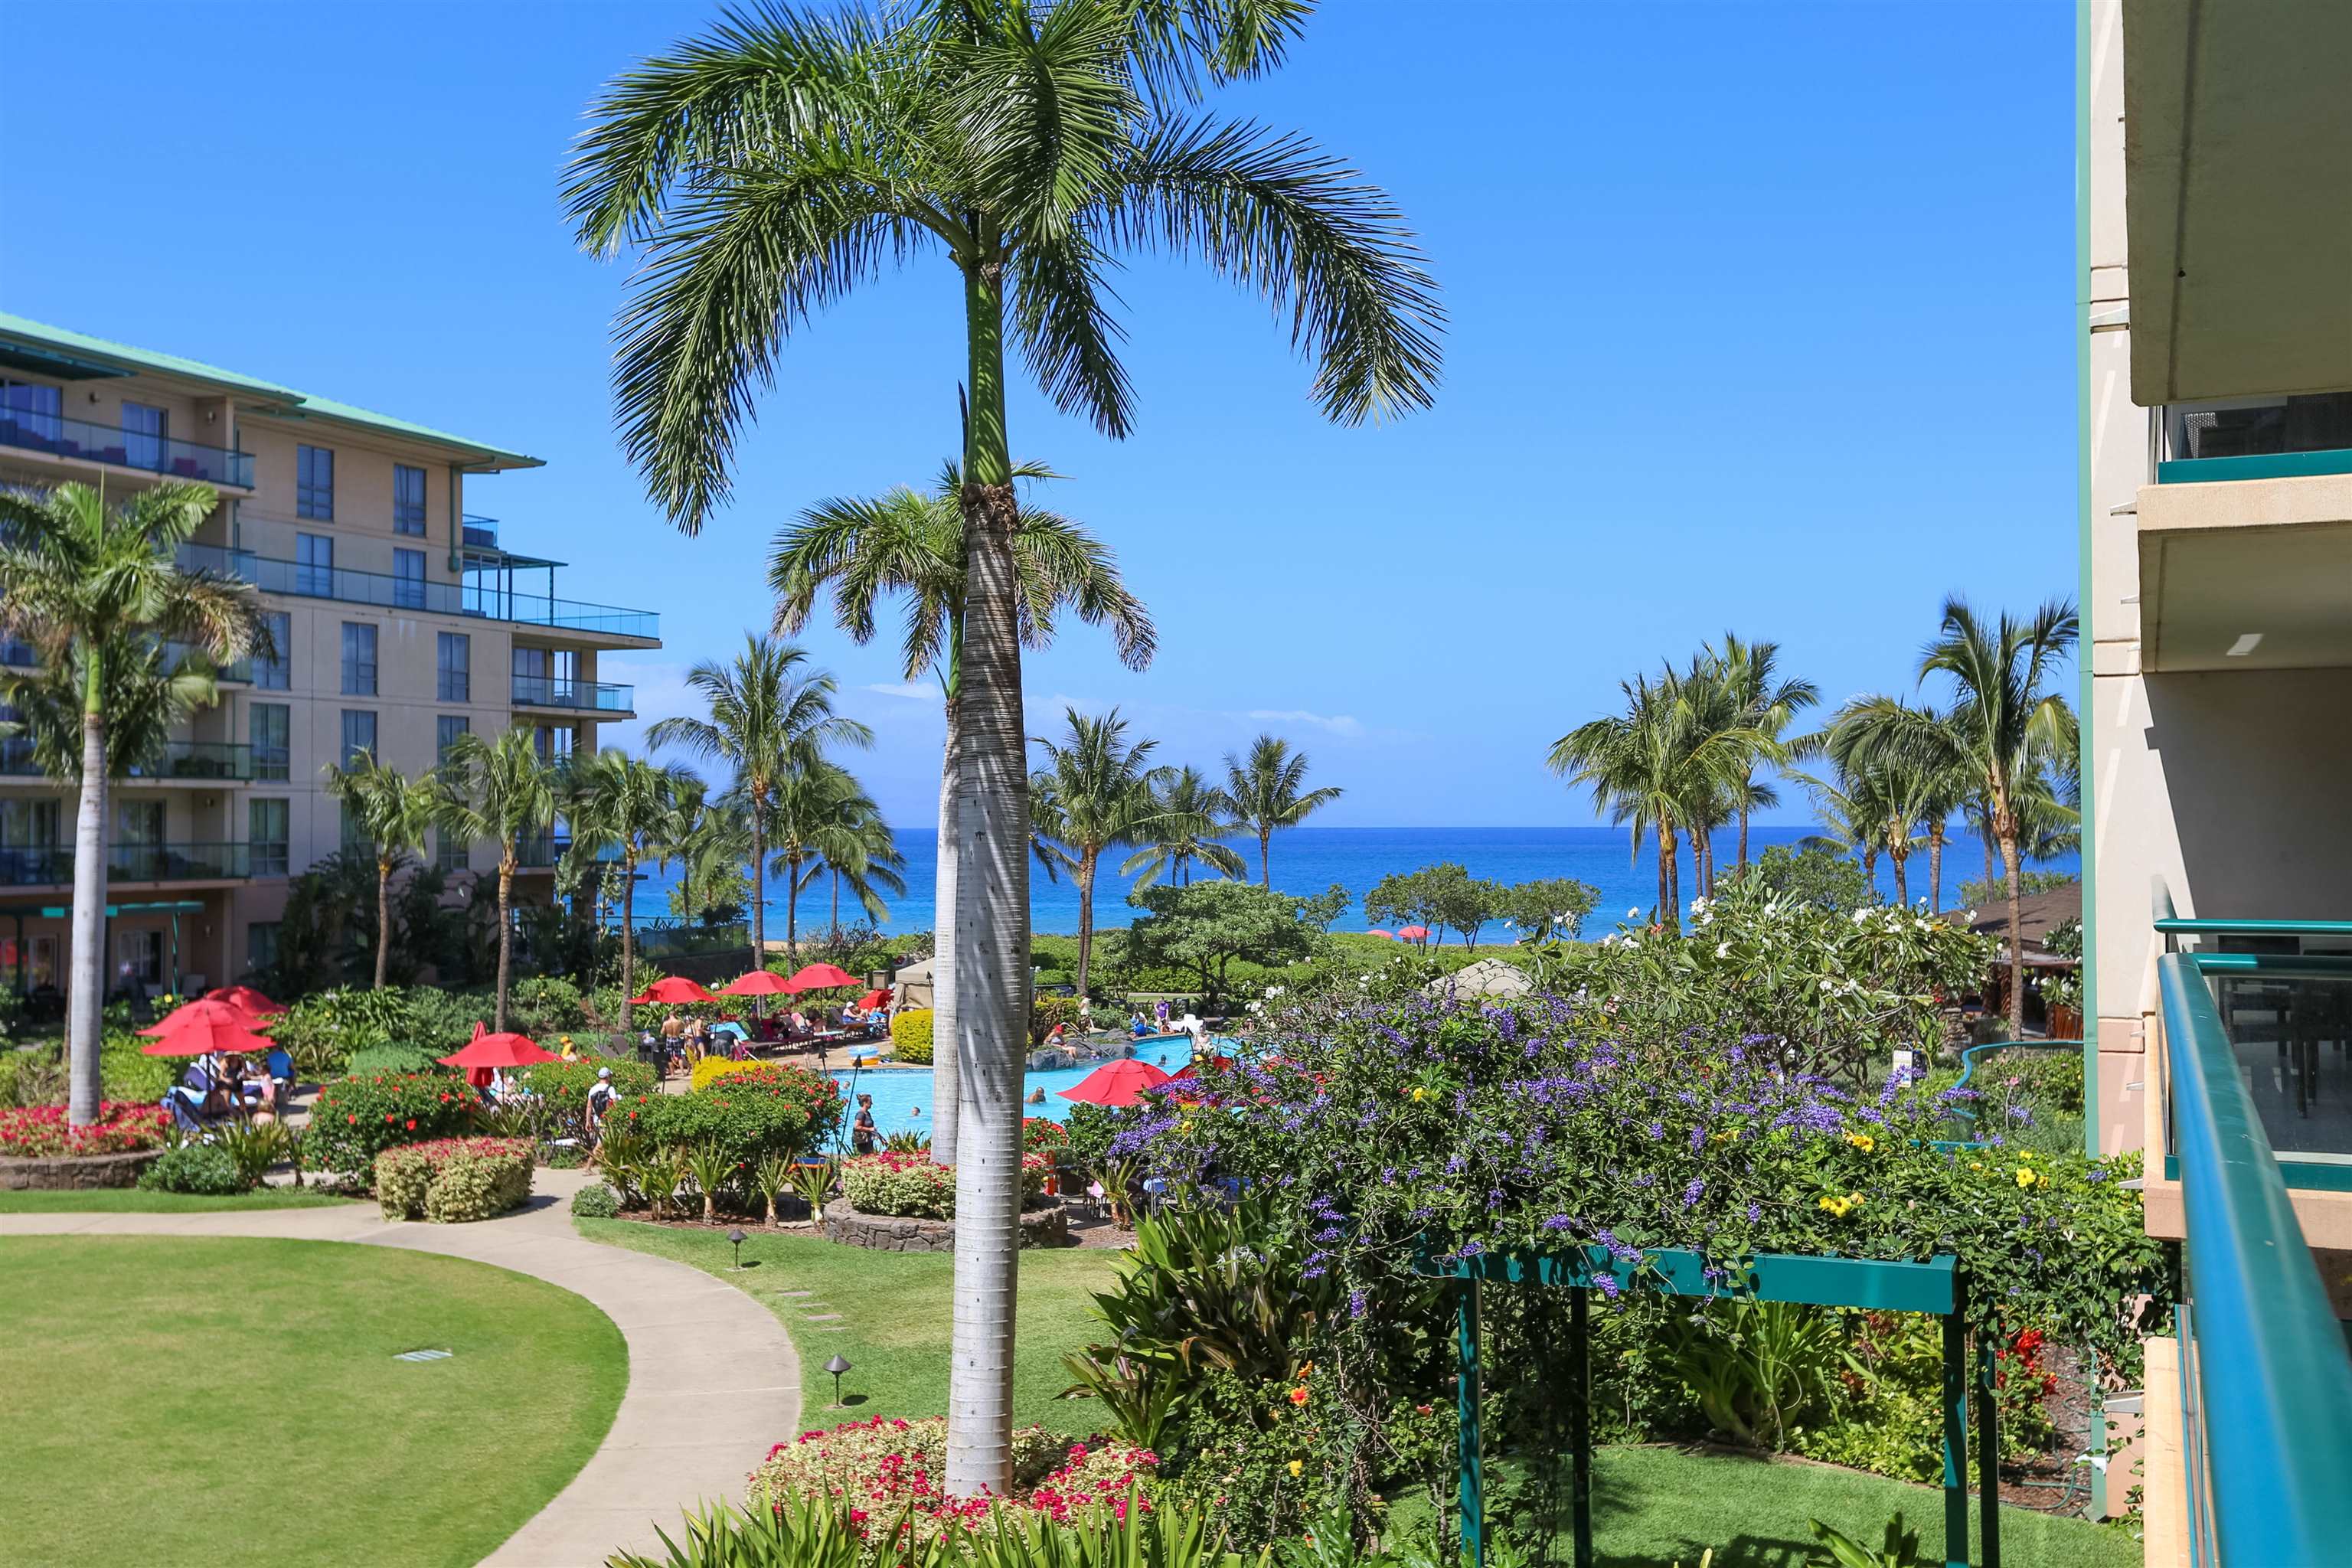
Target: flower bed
(42, 1132)
(909, 1185)
(355, 1119)
(768, 1108)
(450, 1181)
(1043, 1134)
(883, 1466)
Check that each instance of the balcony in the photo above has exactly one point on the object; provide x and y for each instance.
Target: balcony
(581, 695)
(21, 655)
(2256, 438)
(189, 761)
(59, 437)
(382, 591)
(51, 866)
(480, 532)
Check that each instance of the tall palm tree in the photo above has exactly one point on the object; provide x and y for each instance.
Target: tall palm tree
(1767, 704)
(504, 791)
(1265, 791)
(821, 818)
(91, 588)
(395, 814)
(1852, 818)
(2011, 727)
(773, 164)
(1931, 778)
(628, 805)
(1095, 793)
(1187, 815)
(768, 719)
(912, 544)
(858, 847)
(708, 839)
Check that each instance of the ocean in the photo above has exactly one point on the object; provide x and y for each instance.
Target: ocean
(1311, 859)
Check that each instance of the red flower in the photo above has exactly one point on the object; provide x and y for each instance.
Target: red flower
(412, 1123)
(350, 1121)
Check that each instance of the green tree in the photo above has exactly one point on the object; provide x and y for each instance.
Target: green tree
(630, 806)
(1095, 793)
(91, 588)
(912, 544)
(1767, 704)
(395, 813)
(709, 841)
(769, 723)
(862, 851)
(1443, 897)
(1204, 928)
(773, 166)
(1547, 909)
(1186, 820)
(824, 819)
(504, 791)
(1265, 790)
(1822, 877)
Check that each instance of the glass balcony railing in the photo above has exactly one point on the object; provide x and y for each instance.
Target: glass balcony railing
(222, 761)
(61, 437)
(481, 531)
(36, 865)
(540, 853)
(593, 696)
(383, 591)
(2256, 438)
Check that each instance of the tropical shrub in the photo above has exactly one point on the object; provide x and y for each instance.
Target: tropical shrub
(253, 1147)
(596, 1201)
(374, 1061)
(886, 1466)
(125, 1073)
(324, 1032)
(910, 1036)
(833, 1532)
(544, 1006)
(1043, 1134)
(773, 1108)
(710, 1069)
(563, 1087)
(1046, 1010)
(42, 1132)
(355, 1119)
(907, 1183)
(453, 1180)
(193, 1168)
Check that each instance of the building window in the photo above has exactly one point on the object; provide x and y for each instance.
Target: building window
(272, 674)
(314, 565)
(31, 410)
(267, 830)
(353, 837)
(28, 842)
(449, 726)
(359, 658)
(139, 822)
(269, 726)
(144, 435)
(408, 579)
(408, 499)
(138, 958)
(451, 852)
(554, 742)
(359, 733)
(261, 944)
(455, 666)
(314, 483)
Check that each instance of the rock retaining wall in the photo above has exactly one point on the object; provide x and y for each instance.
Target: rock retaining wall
(1047, 1225)
(62, 1172)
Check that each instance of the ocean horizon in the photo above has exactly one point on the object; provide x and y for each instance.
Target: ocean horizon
(1307, 861)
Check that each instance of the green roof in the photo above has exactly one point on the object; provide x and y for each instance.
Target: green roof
(299, 404)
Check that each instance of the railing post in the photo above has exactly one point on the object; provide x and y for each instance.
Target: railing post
(1988, 1456)
(1472, 1496)
(1580, 1421)
(1955, 1432)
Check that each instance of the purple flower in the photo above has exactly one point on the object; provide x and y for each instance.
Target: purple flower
(1697, 1139)
(1357, 1306)
(1557, 1222)
(1607, 1284)
(1691, 1193)
(1755, 1213)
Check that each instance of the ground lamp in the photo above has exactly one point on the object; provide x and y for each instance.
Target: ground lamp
(738, 1238)
(837, 1365)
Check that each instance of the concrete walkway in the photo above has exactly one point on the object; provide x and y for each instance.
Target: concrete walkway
(713, 1382)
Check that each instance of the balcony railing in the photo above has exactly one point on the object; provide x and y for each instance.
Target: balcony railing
(481, 531)
(552, 691)
(2266, 1383)
(223, 762)
(64, 438)
(302, 580)
(38, 865)
(24, 656)
(2256, 438)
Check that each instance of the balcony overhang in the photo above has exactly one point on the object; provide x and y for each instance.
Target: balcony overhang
(2246, 575)
(2238, 166)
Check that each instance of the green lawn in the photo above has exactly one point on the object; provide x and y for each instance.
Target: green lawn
(131, 1200)
(203, 1401)
(894, 1314)
(1654, 1507)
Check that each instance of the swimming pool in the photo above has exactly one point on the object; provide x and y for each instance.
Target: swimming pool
(902, 1096)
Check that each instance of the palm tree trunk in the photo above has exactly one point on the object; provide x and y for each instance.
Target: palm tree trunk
(1670, 847)
(1936, 868)
(1265, 862)
(946, 1078)
(1743, 838)
(759, 896)
(1085, 915)
(1902, 887)
(87, 981)
(991, 926)
(2009, 862)
(1993, 878)
(1658, 910)
(835, 933)
(628, 932)
(506, 930)
(792, 907)
(383, 919)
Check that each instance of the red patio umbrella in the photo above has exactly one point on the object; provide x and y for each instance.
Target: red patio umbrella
(1413, 934)
(247, 997)
(759, 982)
(200, 1027)
(1378, 931)
(1116, 1085)
(873, 999)
(208, 1008)
(502, 1051)
(674, 990)
(821, 977)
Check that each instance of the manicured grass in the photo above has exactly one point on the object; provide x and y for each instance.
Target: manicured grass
(203, 1401)
(131, 1200)
(893, 1310)
(1653, 1507)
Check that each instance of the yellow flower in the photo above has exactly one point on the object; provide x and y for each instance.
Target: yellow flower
(1420, 1094)
(1862, 1140)
(1855, 1199)
(1836, 1206)
(1975, 1164)
(2027, 1175)
(1296, 1467)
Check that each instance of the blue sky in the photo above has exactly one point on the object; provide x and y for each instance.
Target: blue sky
(1761, 319)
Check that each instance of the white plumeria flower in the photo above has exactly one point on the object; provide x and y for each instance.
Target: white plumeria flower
(1723, 949)
(1633, 914)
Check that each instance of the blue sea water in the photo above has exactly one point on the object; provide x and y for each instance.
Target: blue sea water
(1309, 860)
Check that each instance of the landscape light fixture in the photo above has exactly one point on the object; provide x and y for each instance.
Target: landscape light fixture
(837, 1365)
(738, 1238)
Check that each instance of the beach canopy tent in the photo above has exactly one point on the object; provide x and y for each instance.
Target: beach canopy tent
(1118, 1084)
(673, 991)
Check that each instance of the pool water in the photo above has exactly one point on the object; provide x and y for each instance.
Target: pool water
(903, 1100)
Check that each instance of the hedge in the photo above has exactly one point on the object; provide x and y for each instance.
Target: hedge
(453, 1180)
(771, 1108)
(355, 1119)
(912, 1186)
(564, 1086)
(910, 1036)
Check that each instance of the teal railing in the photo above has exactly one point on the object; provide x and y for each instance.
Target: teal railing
(2266, 1378)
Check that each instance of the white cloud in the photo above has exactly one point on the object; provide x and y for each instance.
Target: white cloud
(1337, 723)
(911, 690)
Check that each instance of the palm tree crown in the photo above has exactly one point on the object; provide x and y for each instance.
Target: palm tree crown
(629, 807)
(1187, 814)
(395, 813)
(1267, 790)
(504, 791)
(1096, 791)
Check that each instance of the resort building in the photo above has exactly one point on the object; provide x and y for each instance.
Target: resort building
(2218, 603)
(400, 622)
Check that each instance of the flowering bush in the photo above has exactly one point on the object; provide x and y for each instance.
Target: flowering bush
(770, 1108)
(453, 1180)
(201, 1168)
(908, 1183)
(564, 1086)
(355, 1119)
(1043, 1135)
(42, 1131)
(883, 1466)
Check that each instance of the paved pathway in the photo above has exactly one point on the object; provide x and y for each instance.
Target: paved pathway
(713, 1382)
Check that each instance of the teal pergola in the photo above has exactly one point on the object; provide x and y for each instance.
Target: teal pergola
(1935, 1287)
(174, 908)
